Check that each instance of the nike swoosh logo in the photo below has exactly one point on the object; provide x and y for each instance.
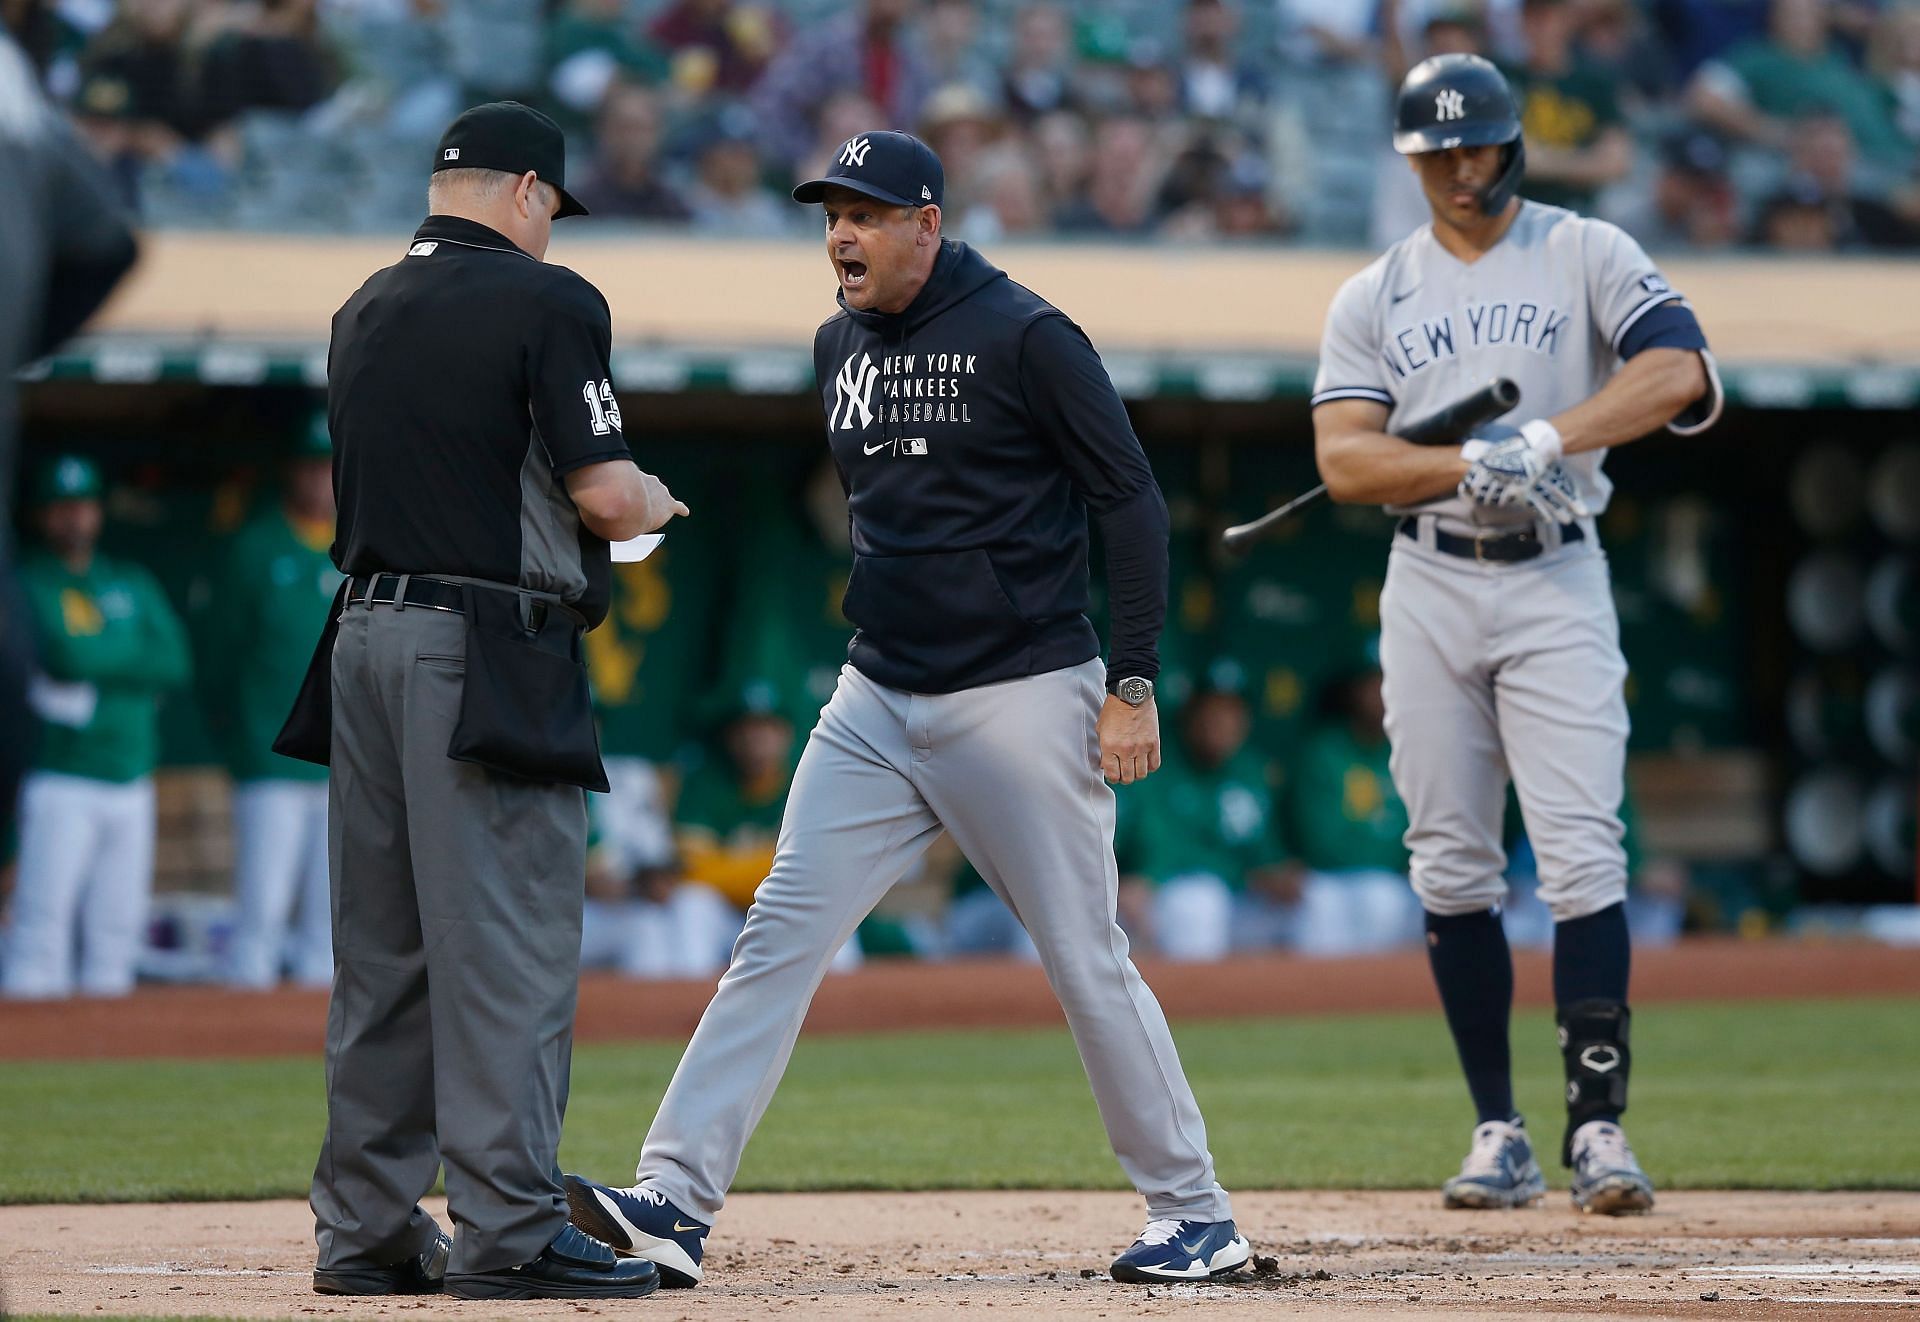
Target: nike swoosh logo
(1402, 297)
(876, 449)
(679, 1229)
(1191, 1250)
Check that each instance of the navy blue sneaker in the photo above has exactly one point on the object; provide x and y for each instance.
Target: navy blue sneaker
(1182, 1251)
(640, 1223)
(1499, 1171)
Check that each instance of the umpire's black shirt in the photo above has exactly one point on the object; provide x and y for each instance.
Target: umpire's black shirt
(463, 383)
(974, 431)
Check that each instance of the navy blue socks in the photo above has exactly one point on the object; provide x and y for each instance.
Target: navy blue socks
(1474, 971)
(1591, 957)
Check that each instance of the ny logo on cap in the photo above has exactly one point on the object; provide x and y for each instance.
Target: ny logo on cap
(450, 154)
(1450, 104)
(855, 152)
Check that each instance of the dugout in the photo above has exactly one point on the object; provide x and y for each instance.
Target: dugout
(1766, 573)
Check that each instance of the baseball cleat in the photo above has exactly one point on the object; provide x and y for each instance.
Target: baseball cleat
(1499, 1170)
(1606, 1177)
(1182, 1251)
(640, 1223)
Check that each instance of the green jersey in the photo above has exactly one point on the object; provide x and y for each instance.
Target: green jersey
(1568, 111)
(1345, 813)
(112, 630)
(1785, 85)
(726, 831)
(276, 586)
(1183, 819)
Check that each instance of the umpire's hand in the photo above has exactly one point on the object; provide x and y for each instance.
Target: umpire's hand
(1129, 740)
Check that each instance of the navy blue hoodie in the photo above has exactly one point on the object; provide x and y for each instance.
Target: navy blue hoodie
(973, 433)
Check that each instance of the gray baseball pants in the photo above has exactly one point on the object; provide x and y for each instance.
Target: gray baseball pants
(1498, 668)
(1011, 771)
(456, 937)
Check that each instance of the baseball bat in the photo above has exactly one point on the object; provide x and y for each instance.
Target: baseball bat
(1446, 426)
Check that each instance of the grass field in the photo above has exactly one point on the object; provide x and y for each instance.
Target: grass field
(1813, 1095)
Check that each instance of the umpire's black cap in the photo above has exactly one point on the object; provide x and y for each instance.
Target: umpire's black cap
(513, 138)
(887, 166)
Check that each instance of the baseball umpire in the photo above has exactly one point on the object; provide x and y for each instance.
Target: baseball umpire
(480, 471)
(974, 427)
(1499, 642)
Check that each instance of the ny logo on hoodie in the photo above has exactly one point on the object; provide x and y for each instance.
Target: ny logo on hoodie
(853, 390)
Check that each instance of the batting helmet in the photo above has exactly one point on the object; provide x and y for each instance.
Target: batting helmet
(1462, 101)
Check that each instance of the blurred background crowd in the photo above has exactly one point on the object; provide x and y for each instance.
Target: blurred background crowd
(1788, 124)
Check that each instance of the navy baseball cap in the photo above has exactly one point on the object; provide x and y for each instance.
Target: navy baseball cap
(887, 166)
(512, 138)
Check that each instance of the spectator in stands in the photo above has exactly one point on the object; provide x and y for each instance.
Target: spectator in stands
(1577, 142)
(728, 822)
(1215, 188)
(1756, 92)
(950, 43)
(271, 57)
(1801, 217)
(1822, 151)
(1214, 82)
(1200, 841)
(726, 196)
(842, 115)
(1038, 79)
(1693, 203)
(277, 586)
(1124, 177)
(1894, 60)
(137, 101)
(1009, 198)
(109, 646)
(591, 45)
(1348, 822)
(960, 124)
(624, 182)
(717, 46)
(872, 48)
(1695, 31)
(1327, 33)
(1063, 151)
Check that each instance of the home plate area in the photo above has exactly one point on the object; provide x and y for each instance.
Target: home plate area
(901, 1255)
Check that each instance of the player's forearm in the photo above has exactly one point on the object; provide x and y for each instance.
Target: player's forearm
(1608, 159)
(1135, 536)
(1647, 393)
(1373, 468)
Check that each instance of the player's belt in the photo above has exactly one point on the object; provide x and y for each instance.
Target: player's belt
(391, 589)
(1492, 548)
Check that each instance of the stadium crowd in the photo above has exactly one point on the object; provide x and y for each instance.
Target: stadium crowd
(1789, 124)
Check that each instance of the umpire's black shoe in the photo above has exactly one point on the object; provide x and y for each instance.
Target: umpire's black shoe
(574, 1266)
(420, 1274)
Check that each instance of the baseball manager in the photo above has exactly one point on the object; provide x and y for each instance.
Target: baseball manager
(974, 428)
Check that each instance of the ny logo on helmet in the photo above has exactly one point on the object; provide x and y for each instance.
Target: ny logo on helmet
(1450, 104)
(855, 152)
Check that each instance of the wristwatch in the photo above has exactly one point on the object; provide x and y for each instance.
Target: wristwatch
(1133, 690)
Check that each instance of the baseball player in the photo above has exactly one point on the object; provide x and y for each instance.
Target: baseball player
(110, 645)
(1499, 642)
(974, 427)
(274, 593)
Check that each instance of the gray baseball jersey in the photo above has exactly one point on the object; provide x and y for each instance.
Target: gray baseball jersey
(1548, 307)
(1505, 669)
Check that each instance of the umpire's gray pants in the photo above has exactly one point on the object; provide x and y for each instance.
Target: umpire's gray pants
(1011, 771)
(456, 940)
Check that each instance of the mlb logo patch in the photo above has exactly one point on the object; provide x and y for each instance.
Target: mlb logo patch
(422, 249)
(1653, 284)
(913, 445)
(450, 154)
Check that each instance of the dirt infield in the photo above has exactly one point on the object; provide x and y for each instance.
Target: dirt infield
(199, 1022)
(886, 1256)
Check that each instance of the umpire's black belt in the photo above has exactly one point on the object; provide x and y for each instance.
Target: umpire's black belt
(1492, 548)
(407, 589)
